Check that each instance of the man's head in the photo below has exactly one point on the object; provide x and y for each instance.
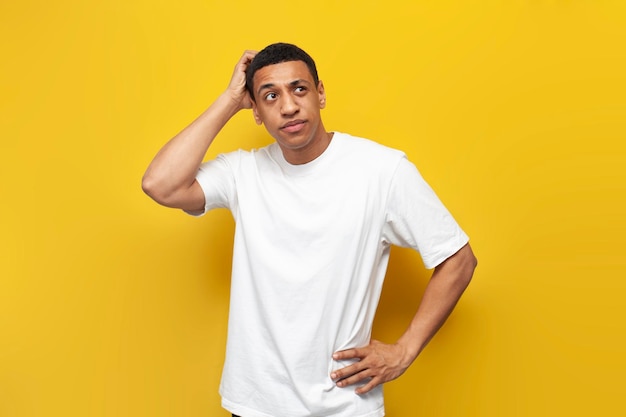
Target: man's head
(287, 97)
(275, 54)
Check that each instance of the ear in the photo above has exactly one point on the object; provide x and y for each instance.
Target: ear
(255, 113)
(322, 94)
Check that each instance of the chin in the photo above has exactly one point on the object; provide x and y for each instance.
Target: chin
(291, 145)
(292, 141)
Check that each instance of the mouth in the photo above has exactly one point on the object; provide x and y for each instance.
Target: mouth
(293, 126)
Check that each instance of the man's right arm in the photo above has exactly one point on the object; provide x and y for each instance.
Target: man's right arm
(170, 179)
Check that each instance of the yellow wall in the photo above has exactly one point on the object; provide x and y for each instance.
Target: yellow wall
(514, 111)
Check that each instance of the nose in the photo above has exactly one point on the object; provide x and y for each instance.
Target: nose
(288, 106)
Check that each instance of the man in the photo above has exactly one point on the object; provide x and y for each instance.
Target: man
(316, 213)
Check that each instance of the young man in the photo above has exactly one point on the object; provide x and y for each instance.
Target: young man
(316, 213)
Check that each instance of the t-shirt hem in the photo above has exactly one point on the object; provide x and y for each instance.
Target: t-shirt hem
(243, 411)
(435, 261)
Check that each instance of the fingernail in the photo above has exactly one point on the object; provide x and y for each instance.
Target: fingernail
(333, 375)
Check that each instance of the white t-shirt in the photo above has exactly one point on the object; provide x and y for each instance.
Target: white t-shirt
(310, 254)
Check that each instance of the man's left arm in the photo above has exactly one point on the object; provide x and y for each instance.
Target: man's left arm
(382, 362)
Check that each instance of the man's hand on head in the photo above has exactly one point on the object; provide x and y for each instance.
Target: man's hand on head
(378, 363)
(237, 86)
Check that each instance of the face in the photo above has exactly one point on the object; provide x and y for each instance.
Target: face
(288, 103)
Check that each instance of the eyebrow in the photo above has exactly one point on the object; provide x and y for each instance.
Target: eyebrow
(291, 84)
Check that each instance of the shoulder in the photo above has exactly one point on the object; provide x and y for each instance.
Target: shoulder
(366, 150)
(243, 157)
(364, 144)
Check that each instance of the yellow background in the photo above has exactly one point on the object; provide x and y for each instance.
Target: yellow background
(514, 111)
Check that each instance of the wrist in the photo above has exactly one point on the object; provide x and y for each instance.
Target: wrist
(230, 103)
(237, 99)
(410, 350)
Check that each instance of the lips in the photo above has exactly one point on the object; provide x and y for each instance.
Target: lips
(293, 126)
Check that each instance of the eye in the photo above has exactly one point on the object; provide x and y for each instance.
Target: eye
(300, 89)
(271, 96)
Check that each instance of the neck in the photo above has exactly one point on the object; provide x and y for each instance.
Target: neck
(310, 152)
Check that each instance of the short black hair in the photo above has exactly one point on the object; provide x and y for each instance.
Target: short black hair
(275, 54)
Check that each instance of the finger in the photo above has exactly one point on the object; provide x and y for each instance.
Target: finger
(247, 57)
(238, 78)
(354, 379)
(348, 354)
(367, 387)
(347, 371)
(244, 61)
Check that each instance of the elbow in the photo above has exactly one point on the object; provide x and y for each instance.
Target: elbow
(153, 189)
(470, 262)
(147, 185)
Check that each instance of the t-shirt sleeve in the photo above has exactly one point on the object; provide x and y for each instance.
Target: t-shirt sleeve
(216, 179)
(417, 219)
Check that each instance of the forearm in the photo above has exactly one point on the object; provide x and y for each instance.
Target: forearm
(176, 164)
(378, 362)
(442, 293)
